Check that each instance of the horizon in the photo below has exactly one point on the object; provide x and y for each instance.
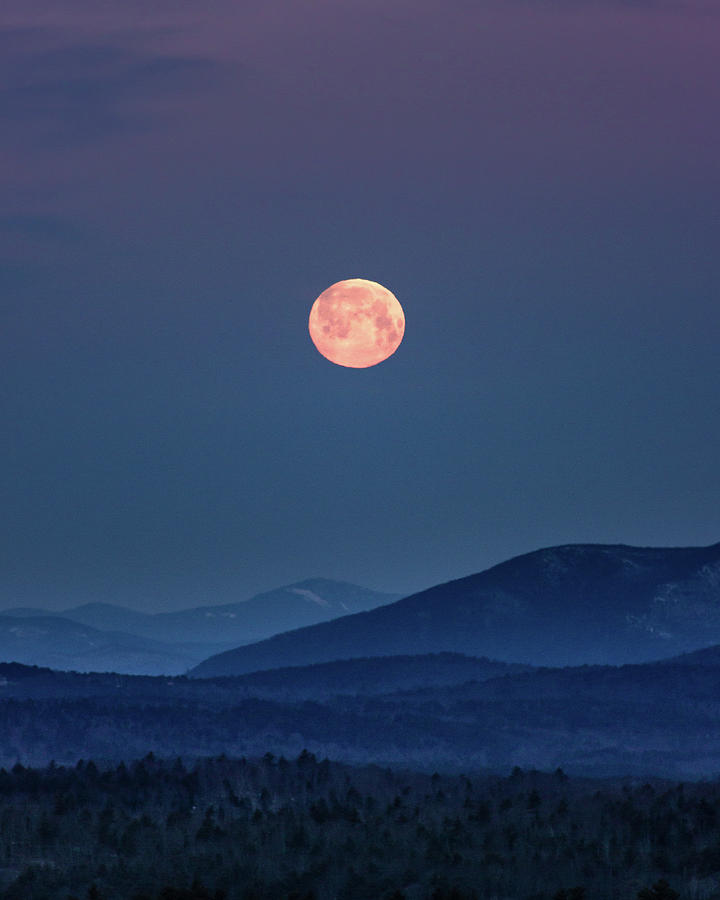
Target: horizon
(400, 595)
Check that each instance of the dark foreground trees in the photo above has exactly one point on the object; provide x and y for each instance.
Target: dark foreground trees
(305, 829)
(661, 890)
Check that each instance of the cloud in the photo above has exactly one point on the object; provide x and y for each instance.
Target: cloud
(57, 95)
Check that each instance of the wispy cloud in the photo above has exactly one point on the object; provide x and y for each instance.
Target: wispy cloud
(56, 94)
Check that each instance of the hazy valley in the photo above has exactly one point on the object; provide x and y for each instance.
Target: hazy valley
(103, 637)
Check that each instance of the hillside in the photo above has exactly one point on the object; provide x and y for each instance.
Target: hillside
(568, 605)
(367, 677)
(657, 718)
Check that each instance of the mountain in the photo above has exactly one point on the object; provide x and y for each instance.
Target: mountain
(708, 656)
(61, 644)
(290, 607)
(567, 605)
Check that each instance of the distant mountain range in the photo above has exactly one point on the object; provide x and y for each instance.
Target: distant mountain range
(104, 637)
(567, 605)
(602, 660)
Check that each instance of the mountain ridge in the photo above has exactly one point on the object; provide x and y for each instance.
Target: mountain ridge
(564, 605)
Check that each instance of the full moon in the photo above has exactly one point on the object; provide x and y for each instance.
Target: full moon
(357, 323)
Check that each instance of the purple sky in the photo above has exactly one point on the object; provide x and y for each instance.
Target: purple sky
(539, 185)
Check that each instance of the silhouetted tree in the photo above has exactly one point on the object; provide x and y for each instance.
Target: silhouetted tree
(661, 890)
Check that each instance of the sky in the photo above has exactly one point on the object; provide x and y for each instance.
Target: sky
(539, 185)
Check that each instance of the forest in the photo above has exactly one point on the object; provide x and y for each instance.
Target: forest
(310, 829)
(656, 719)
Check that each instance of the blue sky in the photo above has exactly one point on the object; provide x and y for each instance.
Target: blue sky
(539, 187)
